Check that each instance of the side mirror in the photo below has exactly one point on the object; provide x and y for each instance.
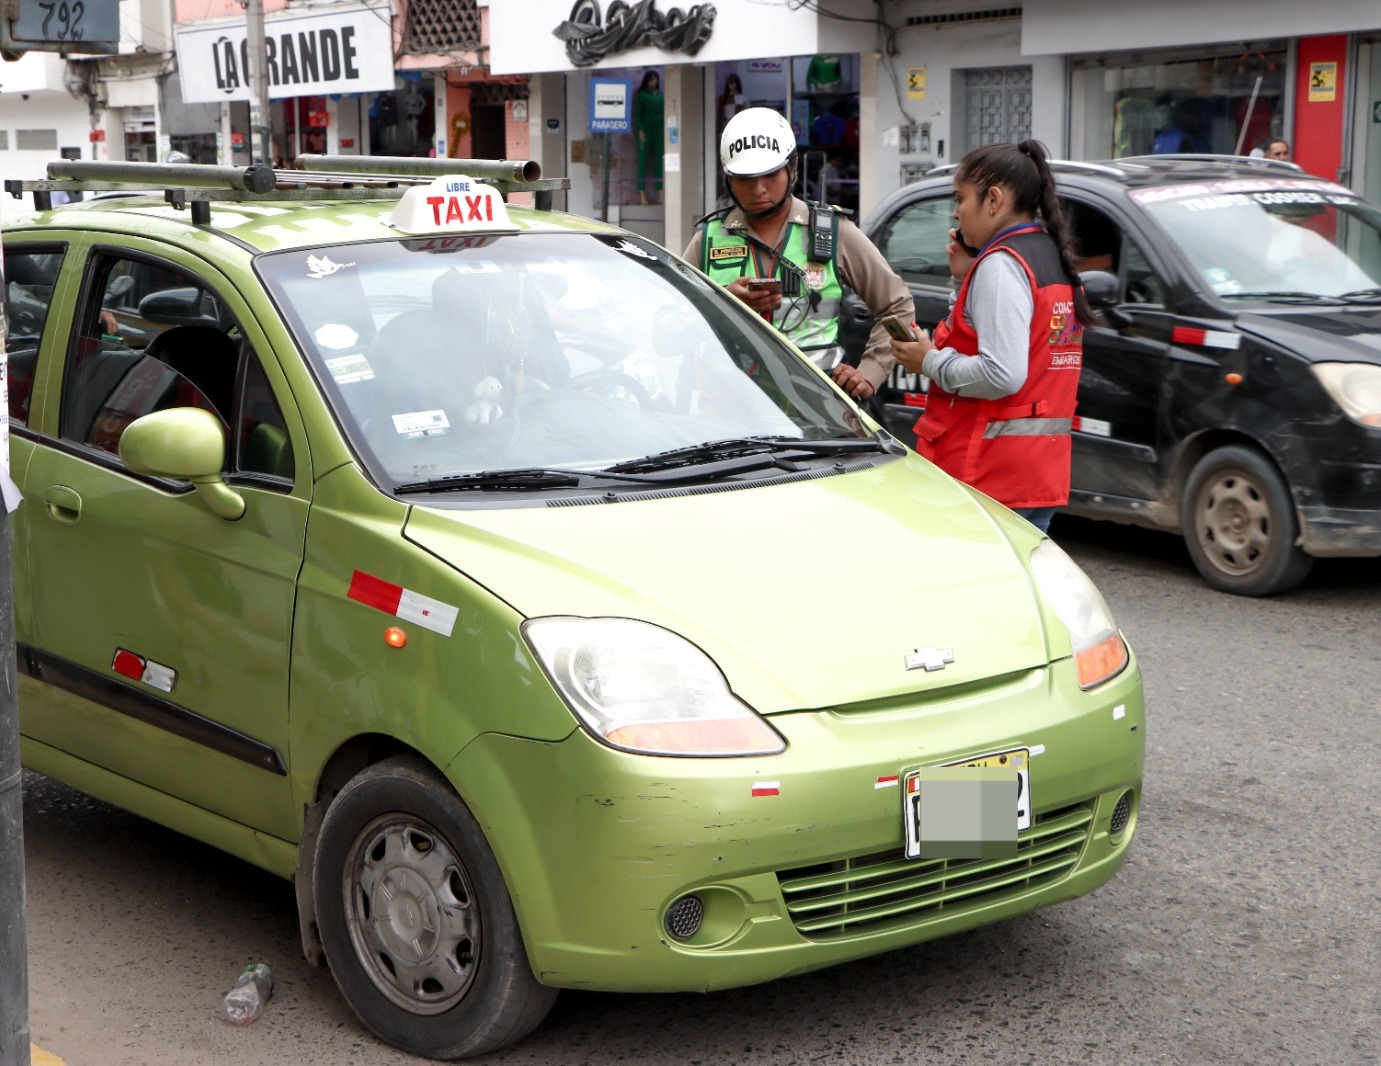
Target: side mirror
(1104, 296)
(187, 444)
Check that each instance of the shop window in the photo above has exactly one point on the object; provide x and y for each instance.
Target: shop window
(1223, 103)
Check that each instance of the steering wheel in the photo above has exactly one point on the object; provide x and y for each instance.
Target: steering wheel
(593, 379)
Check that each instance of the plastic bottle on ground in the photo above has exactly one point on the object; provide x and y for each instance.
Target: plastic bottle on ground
(246, 1000)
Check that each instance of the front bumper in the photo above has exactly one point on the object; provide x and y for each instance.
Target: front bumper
(796, 858)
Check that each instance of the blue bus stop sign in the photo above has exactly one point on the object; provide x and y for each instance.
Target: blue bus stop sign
(611, 105)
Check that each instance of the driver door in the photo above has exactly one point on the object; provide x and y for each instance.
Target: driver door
(160, 632)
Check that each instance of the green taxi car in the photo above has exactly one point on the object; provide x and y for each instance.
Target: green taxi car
(496, 577)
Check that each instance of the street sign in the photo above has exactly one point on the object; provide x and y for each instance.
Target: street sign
(82, 27)
(611, 105)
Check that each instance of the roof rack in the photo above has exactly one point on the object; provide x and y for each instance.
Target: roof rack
(314, 177)
(1209, 157)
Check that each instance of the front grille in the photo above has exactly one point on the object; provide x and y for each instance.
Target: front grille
(875, 893)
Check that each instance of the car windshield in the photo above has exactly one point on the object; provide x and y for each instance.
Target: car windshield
(1273, 241)
(554, 350)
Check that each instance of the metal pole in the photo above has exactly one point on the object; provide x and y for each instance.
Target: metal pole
(604, 204)
(14, 949)
(1247, 118)
(260, 129)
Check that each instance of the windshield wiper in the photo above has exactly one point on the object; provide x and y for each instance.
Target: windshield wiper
(769, 450)
(519, 479)
(1284, 297)
(1362, 296)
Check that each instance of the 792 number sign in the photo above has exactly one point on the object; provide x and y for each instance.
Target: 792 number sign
(61, 26)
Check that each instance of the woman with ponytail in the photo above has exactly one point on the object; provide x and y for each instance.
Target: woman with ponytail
(1004, 366)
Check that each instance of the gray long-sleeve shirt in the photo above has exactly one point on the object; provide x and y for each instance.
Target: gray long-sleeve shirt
(999, 308)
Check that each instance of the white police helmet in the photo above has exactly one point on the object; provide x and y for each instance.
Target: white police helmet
(178, 157)
(755, 142)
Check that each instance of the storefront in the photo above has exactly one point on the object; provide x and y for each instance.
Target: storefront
(682, 84)
(1225, 99)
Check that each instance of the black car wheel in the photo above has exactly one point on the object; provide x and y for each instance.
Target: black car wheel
(1240, 525)
(417, 924)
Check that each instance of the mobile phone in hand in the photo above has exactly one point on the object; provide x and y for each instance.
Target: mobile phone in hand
(969, 249)
(765, 285)
(899, 328)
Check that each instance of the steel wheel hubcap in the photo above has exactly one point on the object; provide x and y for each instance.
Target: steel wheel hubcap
(1235, 523)
(413, 919)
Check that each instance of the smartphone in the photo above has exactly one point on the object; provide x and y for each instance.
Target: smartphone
(899, 328)
(969, 249)
(765, 285)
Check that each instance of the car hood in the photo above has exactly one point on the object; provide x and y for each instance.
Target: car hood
(1321, 334)
(807, 594)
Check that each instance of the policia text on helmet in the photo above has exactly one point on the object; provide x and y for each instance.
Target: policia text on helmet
(770, 248)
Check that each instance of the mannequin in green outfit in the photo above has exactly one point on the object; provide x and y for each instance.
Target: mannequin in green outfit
(647, 126)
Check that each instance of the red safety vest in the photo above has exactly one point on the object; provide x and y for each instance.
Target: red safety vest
(1016, 448)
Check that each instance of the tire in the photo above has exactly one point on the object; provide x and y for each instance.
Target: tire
(1240, 526)
(417, 924)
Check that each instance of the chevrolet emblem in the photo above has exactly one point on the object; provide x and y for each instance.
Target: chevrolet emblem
(929, 658)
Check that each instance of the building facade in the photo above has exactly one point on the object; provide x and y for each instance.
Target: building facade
(883, 92)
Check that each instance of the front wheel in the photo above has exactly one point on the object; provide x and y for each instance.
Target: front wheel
(1240, 525)
(416, 921)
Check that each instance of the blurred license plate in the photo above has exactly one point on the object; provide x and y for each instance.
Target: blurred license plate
(1017, 759)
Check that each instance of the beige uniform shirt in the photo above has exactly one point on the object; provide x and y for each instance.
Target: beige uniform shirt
(860, 266)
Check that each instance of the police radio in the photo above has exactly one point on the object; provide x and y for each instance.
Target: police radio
(822, 227)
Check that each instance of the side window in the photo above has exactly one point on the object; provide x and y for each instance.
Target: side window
(1099, 244)
(30, 275)
(149, 336)
(914, 241)
(1141, 286)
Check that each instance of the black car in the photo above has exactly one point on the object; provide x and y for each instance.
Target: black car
(1234, 392)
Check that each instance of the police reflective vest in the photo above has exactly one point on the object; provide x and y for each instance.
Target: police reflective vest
(810, 320)
(1015, 449)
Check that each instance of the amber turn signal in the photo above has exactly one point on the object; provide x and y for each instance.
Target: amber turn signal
(395, 637)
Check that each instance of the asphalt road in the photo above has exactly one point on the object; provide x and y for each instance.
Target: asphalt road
(1246, 927)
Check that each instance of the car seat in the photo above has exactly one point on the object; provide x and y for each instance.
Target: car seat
(205, 356)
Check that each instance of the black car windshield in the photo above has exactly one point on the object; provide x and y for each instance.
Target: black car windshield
(1273, 241)
(537, 350)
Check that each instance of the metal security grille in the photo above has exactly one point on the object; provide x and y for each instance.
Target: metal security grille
(441, 26)
(997, 106)
(878, 892)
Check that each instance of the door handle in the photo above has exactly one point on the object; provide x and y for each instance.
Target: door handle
(63, 504)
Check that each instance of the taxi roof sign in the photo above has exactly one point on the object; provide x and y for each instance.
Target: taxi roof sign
(455, 203)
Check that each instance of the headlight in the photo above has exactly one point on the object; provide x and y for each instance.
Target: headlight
(639, 687)
(1355, 387)
(1099, 650)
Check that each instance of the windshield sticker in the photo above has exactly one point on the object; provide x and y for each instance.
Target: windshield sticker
(1241, 187)
(348, 369)
(629, 248)
(335, 335)
(323, 266)
(421, 424)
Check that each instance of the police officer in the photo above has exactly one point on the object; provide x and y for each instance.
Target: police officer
(813, 252)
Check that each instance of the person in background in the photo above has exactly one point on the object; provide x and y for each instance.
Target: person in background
(647, 127)
(768, 234)
(1278, 149)
(1004, 366)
